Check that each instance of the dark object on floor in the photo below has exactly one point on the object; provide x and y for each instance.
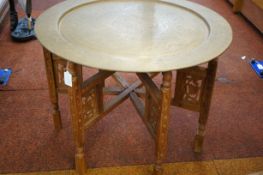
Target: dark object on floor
(4, 76)
(257, 66)
(13, 15)
(13, 20)
(23, 29)
(23, 32)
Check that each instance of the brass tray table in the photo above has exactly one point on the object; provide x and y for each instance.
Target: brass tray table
(145, 37)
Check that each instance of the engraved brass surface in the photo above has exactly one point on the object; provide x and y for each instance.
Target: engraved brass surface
(133, 36)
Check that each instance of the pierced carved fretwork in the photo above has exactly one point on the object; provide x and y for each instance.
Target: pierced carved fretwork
(59, 68)
(192, 87)
(90, 106)
(189, 88)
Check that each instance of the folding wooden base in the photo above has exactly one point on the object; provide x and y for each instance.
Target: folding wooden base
(193, 91)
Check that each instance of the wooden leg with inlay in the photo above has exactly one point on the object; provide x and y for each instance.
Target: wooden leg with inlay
(205, 104)
(162, 124)
(75, 97)
(53, 93)
(193, 91)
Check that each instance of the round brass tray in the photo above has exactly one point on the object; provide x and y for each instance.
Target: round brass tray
(133, 35)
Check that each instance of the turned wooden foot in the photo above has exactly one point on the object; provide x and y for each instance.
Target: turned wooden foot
(157, 170)
(199, 139)
(80, 162)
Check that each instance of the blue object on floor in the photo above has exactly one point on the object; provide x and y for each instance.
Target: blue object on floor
(257, 66)
(4, 76)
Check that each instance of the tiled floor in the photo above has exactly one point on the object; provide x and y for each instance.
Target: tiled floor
(29, 143)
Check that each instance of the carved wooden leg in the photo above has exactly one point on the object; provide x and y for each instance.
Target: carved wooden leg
(205, 104)
(53, 93)
(77, 117)
(162, 125)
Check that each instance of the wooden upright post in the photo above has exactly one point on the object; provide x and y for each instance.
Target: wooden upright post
(205, 103)
(162, 124)
(53, 91)
(75, 96)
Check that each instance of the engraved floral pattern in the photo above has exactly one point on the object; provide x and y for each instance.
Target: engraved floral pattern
(89, 106)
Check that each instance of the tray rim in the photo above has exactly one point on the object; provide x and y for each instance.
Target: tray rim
(47, 32)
